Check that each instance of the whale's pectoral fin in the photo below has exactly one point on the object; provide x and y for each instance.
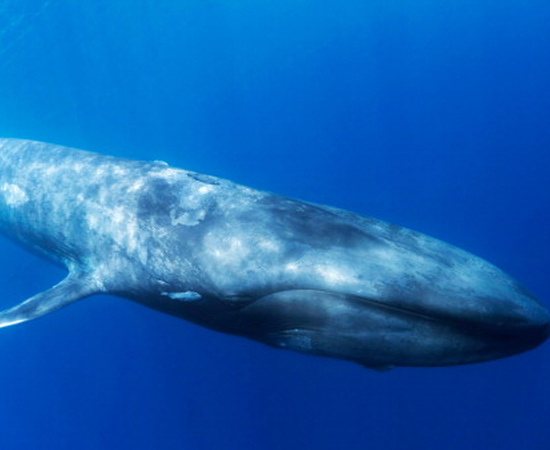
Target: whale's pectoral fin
(73, 288)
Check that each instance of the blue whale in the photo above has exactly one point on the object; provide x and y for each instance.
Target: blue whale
(284, 272)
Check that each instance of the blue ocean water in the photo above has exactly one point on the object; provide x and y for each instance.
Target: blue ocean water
(433, 115)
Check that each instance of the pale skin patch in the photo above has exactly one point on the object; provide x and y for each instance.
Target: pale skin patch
(14, 196)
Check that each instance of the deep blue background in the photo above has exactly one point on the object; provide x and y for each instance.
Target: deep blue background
(433, 115)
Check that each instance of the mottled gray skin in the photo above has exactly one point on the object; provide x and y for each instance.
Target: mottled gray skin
(287, 273)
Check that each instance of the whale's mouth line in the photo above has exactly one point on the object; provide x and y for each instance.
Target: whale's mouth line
(461, 323)
(355, 298)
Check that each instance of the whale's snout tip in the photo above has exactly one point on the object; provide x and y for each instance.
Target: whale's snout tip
(539, 333)
(514, 324)
(534, 323)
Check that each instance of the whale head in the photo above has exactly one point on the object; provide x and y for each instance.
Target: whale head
(328, 282)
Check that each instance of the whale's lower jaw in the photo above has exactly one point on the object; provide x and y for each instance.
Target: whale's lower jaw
(375, 335)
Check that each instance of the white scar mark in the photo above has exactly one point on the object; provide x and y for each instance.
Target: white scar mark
(187, 296)
(192, 210)
(187, 218)
(14, 195)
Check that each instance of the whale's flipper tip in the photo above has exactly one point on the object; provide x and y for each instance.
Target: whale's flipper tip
(70, 290)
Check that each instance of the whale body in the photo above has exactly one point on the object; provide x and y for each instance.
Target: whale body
(288, 273)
